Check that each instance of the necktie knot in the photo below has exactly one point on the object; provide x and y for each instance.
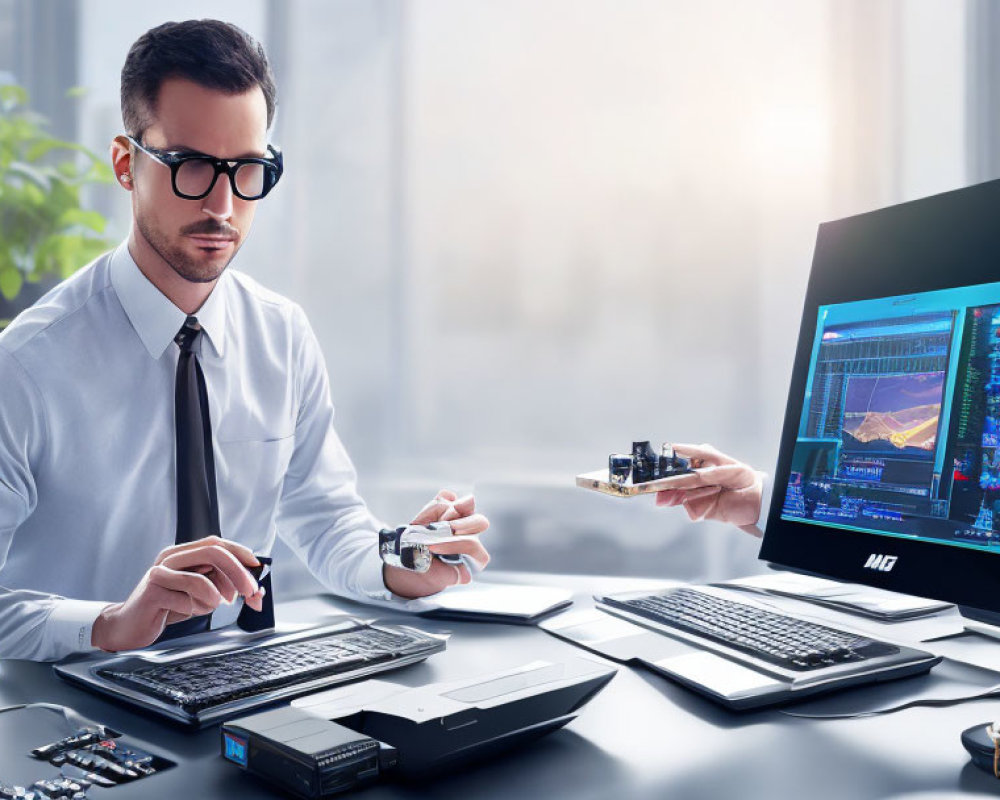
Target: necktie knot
(187, 335)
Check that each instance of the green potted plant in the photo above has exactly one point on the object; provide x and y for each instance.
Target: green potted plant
(44, 232)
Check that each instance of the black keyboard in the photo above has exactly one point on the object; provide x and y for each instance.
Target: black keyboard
(786, 641)
(204, 682)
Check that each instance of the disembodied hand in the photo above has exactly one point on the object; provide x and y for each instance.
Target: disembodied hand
(186, 580)
(461, 513)
(721, 488)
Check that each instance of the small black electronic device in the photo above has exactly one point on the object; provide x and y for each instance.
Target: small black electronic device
(983, 748)
(249, 671)
(249, 619)
(304, 754)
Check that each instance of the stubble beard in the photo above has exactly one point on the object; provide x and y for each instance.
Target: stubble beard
(186, 267)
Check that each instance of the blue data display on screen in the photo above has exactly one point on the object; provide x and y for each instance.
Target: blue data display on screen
(900, 426)
(235, 748)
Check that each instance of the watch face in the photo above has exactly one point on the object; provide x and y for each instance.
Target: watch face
(396, 551)
(417, 557)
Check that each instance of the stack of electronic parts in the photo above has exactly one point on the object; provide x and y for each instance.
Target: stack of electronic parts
(104, 760)
(640, 472)
(644, 464)
(92, 756)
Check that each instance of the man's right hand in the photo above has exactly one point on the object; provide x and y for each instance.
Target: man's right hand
(186, 580)
(720, 488)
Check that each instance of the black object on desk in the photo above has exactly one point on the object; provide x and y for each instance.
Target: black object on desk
(343, 738)
(984, 751)
(250, 620)
(302, 754)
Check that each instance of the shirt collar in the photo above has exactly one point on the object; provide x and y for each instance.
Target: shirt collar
(155, 319)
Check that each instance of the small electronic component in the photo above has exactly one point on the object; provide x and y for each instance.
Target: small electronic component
(644, 465)
(92, 756)
(81, 739)
(61, 788)
(408, 546)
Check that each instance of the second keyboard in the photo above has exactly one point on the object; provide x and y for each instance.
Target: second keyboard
(786, 641)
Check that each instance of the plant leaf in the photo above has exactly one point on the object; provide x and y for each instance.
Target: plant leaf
(92, 220)
(43, 228)
(10, 283)
(12, 96)
(34, 174)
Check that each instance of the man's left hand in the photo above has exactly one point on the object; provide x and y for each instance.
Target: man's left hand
(461, 513)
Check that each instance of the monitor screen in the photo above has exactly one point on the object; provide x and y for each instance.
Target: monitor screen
(889, 470)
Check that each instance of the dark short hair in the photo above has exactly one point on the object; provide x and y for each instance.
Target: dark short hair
(213, 54)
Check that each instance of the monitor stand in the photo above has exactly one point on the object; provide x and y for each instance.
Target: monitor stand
(985, 623)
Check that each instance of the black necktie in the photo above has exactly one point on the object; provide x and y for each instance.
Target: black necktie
(197, 503)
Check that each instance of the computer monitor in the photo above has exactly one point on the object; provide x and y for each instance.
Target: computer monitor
(889, 467)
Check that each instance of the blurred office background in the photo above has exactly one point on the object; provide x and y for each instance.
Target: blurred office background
(528, 232)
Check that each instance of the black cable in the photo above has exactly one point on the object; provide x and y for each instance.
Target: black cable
(73, 718)
(993, 691)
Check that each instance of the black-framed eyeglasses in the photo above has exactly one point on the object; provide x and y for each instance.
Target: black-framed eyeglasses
(193, 175)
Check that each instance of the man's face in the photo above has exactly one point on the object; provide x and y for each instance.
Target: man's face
(197, 238)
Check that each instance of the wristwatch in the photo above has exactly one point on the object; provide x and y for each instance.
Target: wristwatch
(408, 547)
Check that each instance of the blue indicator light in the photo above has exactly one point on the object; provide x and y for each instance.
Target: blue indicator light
(235, 748)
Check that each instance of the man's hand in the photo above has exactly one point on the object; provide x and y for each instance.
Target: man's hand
(186, 580)
(446, 507)
(721, 488)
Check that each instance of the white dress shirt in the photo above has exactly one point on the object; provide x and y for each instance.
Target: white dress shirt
(87, 482)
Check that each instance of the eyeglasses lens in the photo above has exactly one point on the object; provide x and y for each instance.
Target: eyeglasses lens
(194, 177)
(250, 179)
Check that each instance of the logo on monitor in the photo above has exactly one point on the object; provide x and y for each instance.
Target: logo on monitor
(880, 562)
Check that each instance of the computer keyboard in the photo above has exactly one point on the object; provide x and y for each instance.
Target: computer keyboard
(789, 642)
(199, 685)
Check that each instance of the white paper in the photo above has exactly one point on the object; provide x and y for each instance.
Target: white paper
(866, 598)
(515, 600)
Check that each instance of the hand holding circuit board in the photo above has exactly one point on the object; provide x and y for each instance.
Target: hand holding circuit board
(708, 483)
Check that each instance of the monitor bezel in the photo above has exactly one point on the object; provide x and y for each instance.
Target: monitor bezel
(934, 243)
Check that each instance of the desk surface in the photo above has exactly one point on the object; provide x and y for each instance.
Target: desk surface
(641, 737)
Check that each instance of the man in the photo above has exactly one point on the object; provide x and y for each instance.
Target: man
(163, 417)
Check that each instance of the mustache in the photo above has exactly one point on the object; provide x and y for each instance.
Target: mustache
(210, 227)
